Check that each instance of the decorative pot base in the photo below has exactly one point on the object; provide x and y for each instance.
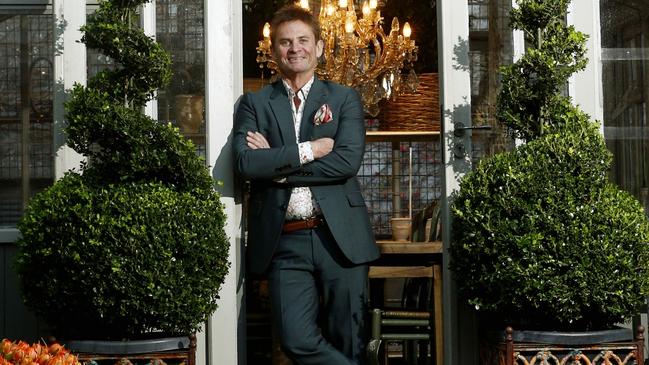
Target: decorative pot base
(182, 349)
(541, 347)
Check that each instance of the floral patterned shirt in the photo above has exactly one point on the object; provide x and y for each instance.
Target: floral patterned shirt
(301, 205)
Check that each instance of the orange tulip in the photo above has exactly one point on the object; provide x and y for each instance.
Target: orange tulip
(56, 360)
(70, 359)
(5, 347)
(38, 348)
(15, 355)
(43, 358)
(55, 347)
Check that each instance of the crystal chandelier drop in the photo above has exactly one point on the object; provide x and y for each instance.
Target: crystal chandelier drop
(358, 53)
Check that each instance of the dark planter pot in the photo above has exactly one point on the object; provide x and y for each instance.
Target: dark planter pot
(509, 347)
(154, 351)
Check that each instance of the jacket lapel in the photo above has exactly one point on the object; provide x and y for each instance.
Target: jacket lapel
(282, 112)
(317, 97)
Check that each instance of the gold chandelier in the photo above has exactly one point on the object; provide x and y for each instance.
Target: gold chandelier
(357, 52)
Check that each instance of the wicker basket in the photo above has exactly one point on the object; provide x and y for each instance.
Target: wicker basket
(418, 111)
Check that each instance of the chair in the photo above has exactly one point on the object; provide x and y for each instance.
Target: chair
(405, 325)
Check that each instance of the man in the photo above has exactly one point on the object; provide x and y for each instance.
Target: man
(300, 142)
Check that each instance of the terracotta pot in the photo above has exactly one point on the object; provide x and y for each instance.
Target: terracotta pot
(189, 112)
(400, 228)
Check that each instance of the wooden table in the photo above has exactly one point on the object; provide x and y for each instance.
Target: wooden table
(397, 247)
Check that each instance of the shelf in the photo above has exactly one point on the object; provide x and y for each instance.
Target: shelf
(401, 136)
(407, 247)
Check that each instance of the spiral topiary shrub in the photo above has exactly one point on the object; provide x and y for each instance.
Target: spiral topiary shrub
(134, 241)
(541, 238)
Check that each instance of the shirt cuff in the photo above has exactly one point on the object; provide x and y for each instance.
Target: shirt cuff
(306, 152)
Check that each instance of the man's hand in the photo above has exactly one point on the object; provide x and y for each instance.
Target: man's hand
(257, 140)
(321, 147)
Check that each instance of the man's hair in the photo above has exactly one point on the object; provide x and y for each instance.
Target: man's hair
(293, 12)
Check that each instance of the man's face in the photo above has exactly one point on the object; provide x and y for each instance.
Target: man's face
(295, 49)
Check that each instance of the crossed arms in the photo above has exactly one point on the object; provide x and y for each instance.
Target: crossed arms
(336, 157)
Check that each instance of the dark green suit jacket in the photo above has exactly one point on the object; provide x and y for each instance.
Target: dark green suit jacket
(332, 179)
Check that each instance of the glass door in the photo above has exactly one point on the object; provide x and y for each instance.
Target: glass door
(26, 144)
(625, 80)
(490, 47)
(26, 92)
(180, 30)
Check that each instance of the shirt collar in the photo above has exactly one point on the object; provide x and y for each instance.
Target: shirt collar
(302, 93)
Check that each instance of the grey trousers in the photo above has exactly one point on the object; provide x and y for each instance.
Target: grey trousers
(318, 299)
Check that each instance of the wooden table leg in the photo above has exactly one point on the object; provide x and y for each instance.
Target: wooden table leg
(437, 301)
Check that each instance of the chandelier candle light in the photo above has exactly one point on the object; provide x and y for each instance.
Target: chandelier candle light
(358, 53)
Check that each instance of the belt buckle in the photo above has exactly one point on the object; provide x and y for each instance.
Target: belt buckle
(304, 223)
(312, 222)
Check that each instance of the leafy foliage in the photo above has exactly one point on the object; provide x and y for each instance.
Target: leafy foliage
(145, 65)
(541, 237)
(530, 97)
(125, 145)
(540, 233)
(133, 242)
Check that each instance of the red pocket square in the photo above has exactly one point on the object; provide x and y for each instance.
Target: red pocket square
(323, 115)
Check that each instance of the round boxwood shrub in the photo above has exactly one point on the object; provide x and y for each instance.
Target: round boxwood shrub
(121, 259)
(543, 240)
(133, 242)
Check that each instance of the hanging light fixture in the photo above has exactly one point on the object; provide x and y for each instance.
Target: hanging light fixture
(357, 52)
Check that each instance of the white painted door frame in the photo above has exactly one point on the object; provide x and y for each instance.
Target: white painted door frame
(225, 331)
(455, 100)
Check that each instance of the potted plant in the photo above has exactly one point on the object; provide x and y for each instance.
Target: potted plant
(541, 238)
(133, 242)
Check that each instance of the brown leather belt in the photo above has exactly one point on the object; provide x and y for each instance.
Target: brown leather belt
(308, 223)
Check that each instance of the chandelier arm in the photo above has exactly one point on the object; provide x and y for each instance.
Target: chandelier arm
(376, 68)
(378, 54)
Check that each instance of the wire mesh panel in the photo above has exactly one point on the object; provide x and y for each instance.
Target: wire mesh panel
(26, 88)
(398, 175)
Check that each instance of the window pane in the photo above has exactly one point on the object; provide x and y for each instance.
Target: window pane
(625, 76)
(26, 86)
(179, 28)
(95, 59)
(490, 47)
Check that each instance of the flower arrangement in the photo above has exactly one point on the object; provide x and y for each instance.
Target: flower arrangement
(21, 353)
